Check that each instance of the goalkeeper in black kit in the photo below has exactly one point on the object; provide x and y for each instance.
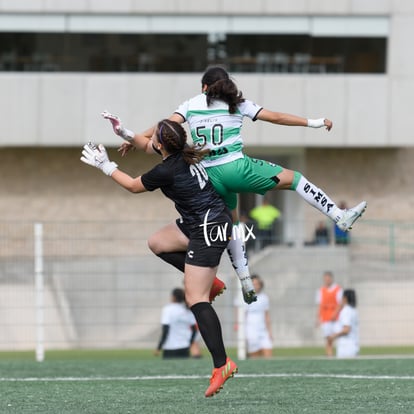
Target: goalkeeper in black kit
(199, 237)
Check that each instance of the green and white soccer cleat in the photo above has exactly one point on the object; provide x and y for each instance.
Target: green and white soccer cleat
(249, 296)
(350, 216)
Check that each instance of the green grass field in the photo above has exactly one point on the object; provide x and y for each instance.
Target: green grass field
(135, 382)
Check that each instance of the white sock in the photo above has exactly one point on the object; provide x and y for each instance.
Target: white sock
(238, 257)
(317, 198)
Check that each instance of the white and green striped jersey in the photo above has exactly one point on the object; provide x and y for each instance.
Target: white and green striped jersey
(213, 127)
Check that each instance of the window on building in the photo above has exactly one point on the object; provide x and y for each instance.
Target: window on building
(77, 52)
(102, 52)
(304, 54)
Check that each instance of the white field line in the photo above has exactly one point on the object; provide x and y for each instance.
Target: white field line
(192, 377)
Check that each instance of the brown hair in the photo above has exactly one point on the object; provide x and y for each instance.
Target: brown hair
(220, 86)
(174, 139)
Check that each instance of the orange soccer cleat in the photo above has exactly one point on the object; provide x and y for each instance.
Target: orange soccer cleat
(217, 288)
(220, 376)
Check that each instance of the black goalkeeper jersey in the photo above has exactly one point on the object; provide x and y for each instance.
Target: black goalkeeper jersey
(188, 186)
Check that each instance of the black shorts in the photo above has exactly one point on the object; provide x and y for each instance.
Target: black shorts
(176, 353)
(207, 242)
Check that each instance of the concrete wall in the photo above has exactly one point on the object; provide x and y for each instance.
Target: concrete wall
(48, 184)
(292, 277)
(64, 109)
(101, 302)
(213, 6)
(380, 176)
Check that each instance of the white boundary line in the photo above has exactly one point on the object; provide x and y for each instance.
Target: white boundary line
(192, 377)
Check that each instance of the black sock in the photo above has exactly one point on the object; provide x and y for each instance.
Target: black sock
(210, 329)
(176, 259)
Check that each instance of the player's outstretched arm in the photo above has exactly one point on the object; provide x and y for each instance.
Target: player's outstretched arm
(144, 140)
(140, 141)
(96, 156)
(117, 126)
(281, 118)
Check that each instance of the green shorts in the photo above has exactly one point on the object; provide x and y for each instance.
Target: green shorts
(244, 175)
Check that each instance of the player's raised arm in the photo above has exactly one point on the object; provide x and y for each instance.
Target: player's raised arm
(96, 156)
(142, 141)
(281, 118)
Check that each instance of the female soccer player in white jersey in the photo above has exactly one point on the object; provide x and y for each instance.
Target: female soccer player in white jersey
(347, 334)
(257, 324)
(215, 119)
(182, 179)
(178, 328)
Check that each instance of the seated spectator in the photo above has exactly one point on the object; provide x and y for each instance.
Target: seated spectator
(321, 234)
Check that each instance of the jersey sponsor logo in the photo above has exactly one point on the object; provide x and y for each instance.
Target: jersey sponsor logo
(218, 152)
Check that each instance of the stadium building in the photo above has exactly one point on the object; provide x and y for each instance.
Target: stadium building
(63, 62)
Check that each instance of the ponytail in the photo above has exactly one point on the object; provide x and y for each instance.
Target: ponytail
(193, 155)
(220, 86)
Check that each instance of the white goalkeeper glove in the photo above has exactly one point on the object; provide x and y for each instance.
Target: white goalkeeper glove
(98, 157)
(117, 126)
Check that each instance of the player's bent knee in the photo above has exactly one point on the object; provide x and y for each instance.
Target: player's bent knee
(154, 245)
(192, 299)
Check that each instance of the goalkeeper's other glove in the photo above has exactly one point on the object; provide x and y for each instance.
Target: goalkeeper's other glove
(98, 157)
(117, 126)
